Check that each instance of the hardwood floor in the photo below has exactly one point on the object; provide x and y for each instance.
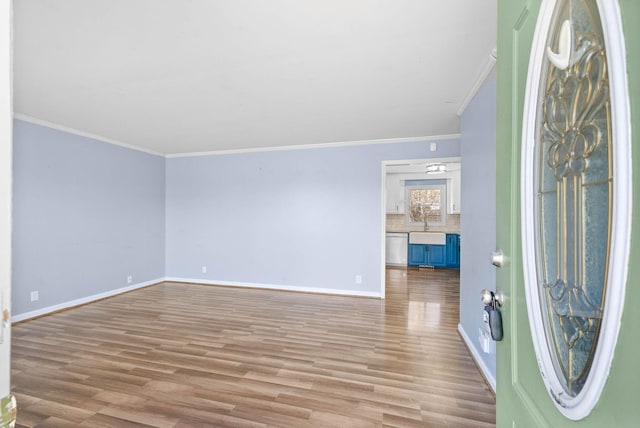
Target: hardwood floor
(183, 355)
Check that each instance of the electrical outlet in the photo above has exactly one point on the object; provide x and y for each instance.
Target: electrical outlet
(129, 279)
(358, 279)
(485, 342)
(34, 296)
(204, 269)
(434, 147)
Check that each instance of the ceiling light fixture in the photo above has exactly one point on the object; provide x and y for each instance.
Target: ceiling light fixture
(436, 168)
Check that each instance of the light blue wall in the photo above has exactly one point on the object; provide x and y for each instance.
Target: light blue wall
(86, 214)
(300, 218)
(478, 219)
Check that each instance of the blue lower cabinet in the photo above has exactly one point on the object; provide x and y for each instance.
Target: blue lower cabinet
(453, 250)
(427, 255)
(436, 256)
(417, 255)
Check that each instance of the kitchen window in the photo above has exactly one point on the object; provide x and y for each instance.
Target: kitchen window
(426, 203)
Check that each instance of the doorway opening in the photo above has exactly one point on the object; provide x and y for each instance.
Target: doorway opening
(396, 218)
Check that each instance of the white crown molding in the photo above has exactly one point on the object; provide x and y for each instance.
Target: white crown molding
(482, 77)
(319, 146)
(63, 128)
(69, 130)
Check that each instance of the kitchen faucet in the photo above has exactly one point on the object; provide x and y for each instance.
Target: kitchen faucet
(425, 215)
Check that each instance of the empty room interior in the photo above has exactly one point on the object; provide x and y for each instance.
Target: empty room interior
(246, 213)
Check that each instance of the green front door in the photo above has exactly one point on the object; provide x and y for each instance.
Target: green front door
(522, 396)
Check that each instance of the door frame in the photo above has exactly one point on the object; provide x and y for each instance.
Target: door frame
(6, 178)
(383, 206)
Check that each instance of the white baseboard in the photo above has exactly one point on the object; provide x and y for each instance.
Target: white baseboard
(77, 302)
(278, 287)
(490, 377)
(81, 301)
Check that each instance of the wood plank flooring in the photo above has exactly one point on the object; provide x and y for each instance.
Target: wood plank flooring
(184, 355)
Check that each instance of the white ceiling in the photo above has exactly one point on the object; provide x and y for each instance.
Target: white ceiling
(182, 76)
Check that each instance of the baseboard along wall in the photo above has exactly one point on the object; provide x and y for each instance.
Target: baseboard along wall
(475, 354)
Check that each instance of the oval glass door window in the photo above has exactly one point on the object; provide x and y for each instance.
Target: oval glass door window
(576, 193)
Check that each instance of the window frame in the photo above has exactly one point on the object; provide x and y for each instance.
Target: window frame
(443, 203)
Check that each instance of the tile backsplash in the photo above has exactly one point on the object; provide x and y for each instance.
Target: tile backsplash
(396, 223)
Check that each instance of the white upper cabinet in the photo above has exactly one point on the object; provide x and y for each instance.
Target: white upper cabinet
(396, 176)
(395, 194)
(453, 193)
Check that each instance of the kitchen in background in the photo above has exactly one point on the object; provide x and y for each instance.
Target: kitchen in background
(421, 231)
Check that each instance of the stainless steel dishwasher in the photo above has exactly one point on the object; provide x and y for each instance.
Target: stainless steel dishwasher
(396, 248)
